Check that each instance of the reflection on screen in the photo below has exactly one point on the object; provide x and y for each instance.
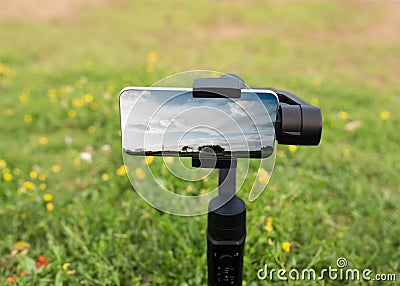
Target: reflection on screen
(170, 122)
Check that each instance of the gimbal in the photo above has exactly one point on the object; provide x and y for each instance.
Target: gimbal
(297, 123)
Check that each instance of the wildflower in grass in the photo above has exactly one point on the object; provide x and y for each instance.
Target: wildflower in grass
(152, 59)
(71, 272)
(27, 118)
(204, 191)
(149, 159)
(263, 176)
(24, 97)
(384, 115)
(42, 261)
(140, 174)
(93, 106)
(91, 129)
(71, 113)
(66, 266)
(33, 174)
(314, 102)
(105, 177)
(86, 156)
(9, 112)
(29, 186)
(23, 215)
(11, 280)
(47, 198)
(55, 168)
(77, 161)
(3, 164)
(17, 171)
(49, 207)
(343, 115)
(121, 171)
(189, 188)
(286, 246)
(7, 177)
(268, 226)
(43, 140)
(292, 148)
(42, 177)
(42, 186)
(52, 94)
(88, 97)
(119, 133)
(346, 152)
(78, 102)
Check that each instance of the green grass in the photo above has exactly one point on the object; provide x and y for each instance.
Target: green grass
(337, 200)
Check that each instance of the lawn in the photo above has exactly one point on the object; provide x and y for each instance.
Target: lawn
(68, 214)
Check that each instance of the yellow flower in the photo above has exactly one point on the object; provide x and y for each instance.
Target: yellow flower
(91, 129)
(105, 177)
(49, 207)
(9, 112)
(343, 115)
(139, 173)
(71, 272)
(66, 266)
(286, 246)
(23, 215)
(119, 133)
(314, 101)
(55, 168)
(29, 186)
(47, 198)
(77, 161)
(88, 97)
(110, 89)
(346, 152)
(121, 171)
(33, 174)
(43, 140)
(52, 94)
(71, 113)
(3, 163)
(27, 118)
(93, 106)
(42, 177)
(17, 171)
(7, 177)
(78, 102)
(152, 58)
(263, 176)
(42, 186)
(189, 188)
(24, 97)
(292, 148)
(149, 159)
(268, 226)
(384, 115)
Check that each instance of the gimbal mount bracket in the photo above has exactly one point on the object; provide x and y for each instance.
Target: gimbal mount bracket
(297, 123)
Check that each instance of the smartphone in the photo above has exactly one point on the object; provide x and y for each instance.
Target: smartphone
(162, 121)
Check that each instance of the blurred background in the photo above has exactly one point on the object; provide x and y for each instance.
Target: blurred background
(68, 214)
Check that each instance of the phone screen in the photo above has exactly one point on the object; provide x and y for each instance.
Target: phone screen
(171, 122)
